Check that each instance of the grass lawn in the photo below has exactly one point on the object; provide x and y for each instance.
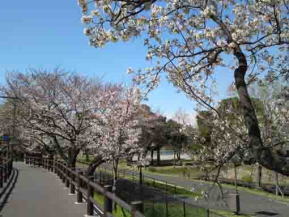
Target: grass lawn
(180, 170)
(172, 189)
(230, 214)
(185, 171)
(285, 199)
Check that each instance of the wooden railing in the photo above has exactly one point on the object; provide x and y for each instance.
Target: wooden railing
(84, 187)
(5, 170)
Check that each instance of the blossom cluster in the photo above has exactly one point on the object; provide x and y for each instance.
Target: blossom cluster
(70, 113)
(190, 39)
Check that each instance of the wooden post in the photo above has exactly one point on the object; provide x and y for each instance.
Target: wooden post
(79, 185)
(184, 208)
(136, 206)
(140, 176)
(67, 176)
(107, 201)
(62, 172)
(72, 186)
(1, 175)
(5, 172)
(89, 210)
(54, 162)
(208, 212)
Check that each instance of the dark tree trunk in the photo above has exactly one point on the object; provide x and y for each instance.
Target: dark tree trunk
(152, 157)
(93, 165)
(259, 175)
(158, 156)
(72, 156)
(178, 155)
(86, 156)
(263, 155)
(175, 158)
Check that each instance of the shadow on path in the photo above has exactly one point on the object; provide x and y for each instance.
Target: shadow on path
(8, 188)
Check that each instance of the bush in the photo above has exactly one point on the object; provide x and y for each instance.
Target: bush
(247, 178)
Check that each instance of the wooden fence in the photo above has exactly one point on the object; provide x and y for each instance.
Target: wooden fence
(84, 188)
(5, 170)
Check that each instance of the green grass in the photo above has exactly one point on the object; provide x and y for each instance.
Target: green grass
(99, 198)
(118, 211)
(230, 214)
(257, 192)
(184, 171)
(171, 189)
(173, 209)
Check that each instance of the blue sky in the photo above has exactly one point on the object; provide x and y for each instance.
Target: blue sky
(48, 34)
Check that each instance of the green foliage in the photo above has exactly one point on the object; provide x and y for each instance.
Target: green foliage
(175, 209)
(171, 189)
(118, 211)
(176, 171)
(99, 198)
(247, 178)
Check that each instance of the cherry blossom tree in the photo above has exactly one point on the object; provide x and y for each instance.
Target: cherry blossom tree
(191, 40)
(225, 140)
(117, 136)
(57, 105)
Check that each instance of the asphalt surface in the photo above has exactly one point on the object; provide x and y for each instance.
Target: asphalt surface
(40, 193)
(259, 206)
(252, 204)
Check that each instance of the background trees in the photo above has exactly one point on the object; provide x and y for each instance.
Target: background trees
(65, 113)
(192, 40)
(225, 139)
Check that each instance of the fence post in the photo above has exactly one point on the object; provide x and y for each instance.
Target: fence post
(5, 172)
(72, 186)
(62, 172)
(107, 201)
(67, 174)
(208, 213)
(54, 169)
(89, 195)
(166, 199)
(9, 167)
(100, 181)
(136, 206)
(184, 208)
(78, 191)
(1, 175)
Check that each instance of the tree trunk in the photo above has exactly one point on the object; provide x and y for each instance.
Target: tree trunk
(152, 157)
(236, 178)
(175, 158)
(179, 155)
(86, 156)
(72, 162)
(72, 157)
(158, 156)
(259, 176)
(115, 174)
(263, 155)
(93, 165)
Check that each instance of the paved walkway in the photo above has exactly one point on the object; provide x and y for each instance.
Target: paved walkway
(253, 204)
(39, 193)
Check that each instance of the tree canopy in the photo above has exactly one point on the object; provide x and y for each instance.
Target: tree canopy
(191, 40)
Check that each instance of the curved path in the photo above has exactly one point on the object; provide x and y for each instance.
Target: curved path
(39, 193)
(259, 206)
